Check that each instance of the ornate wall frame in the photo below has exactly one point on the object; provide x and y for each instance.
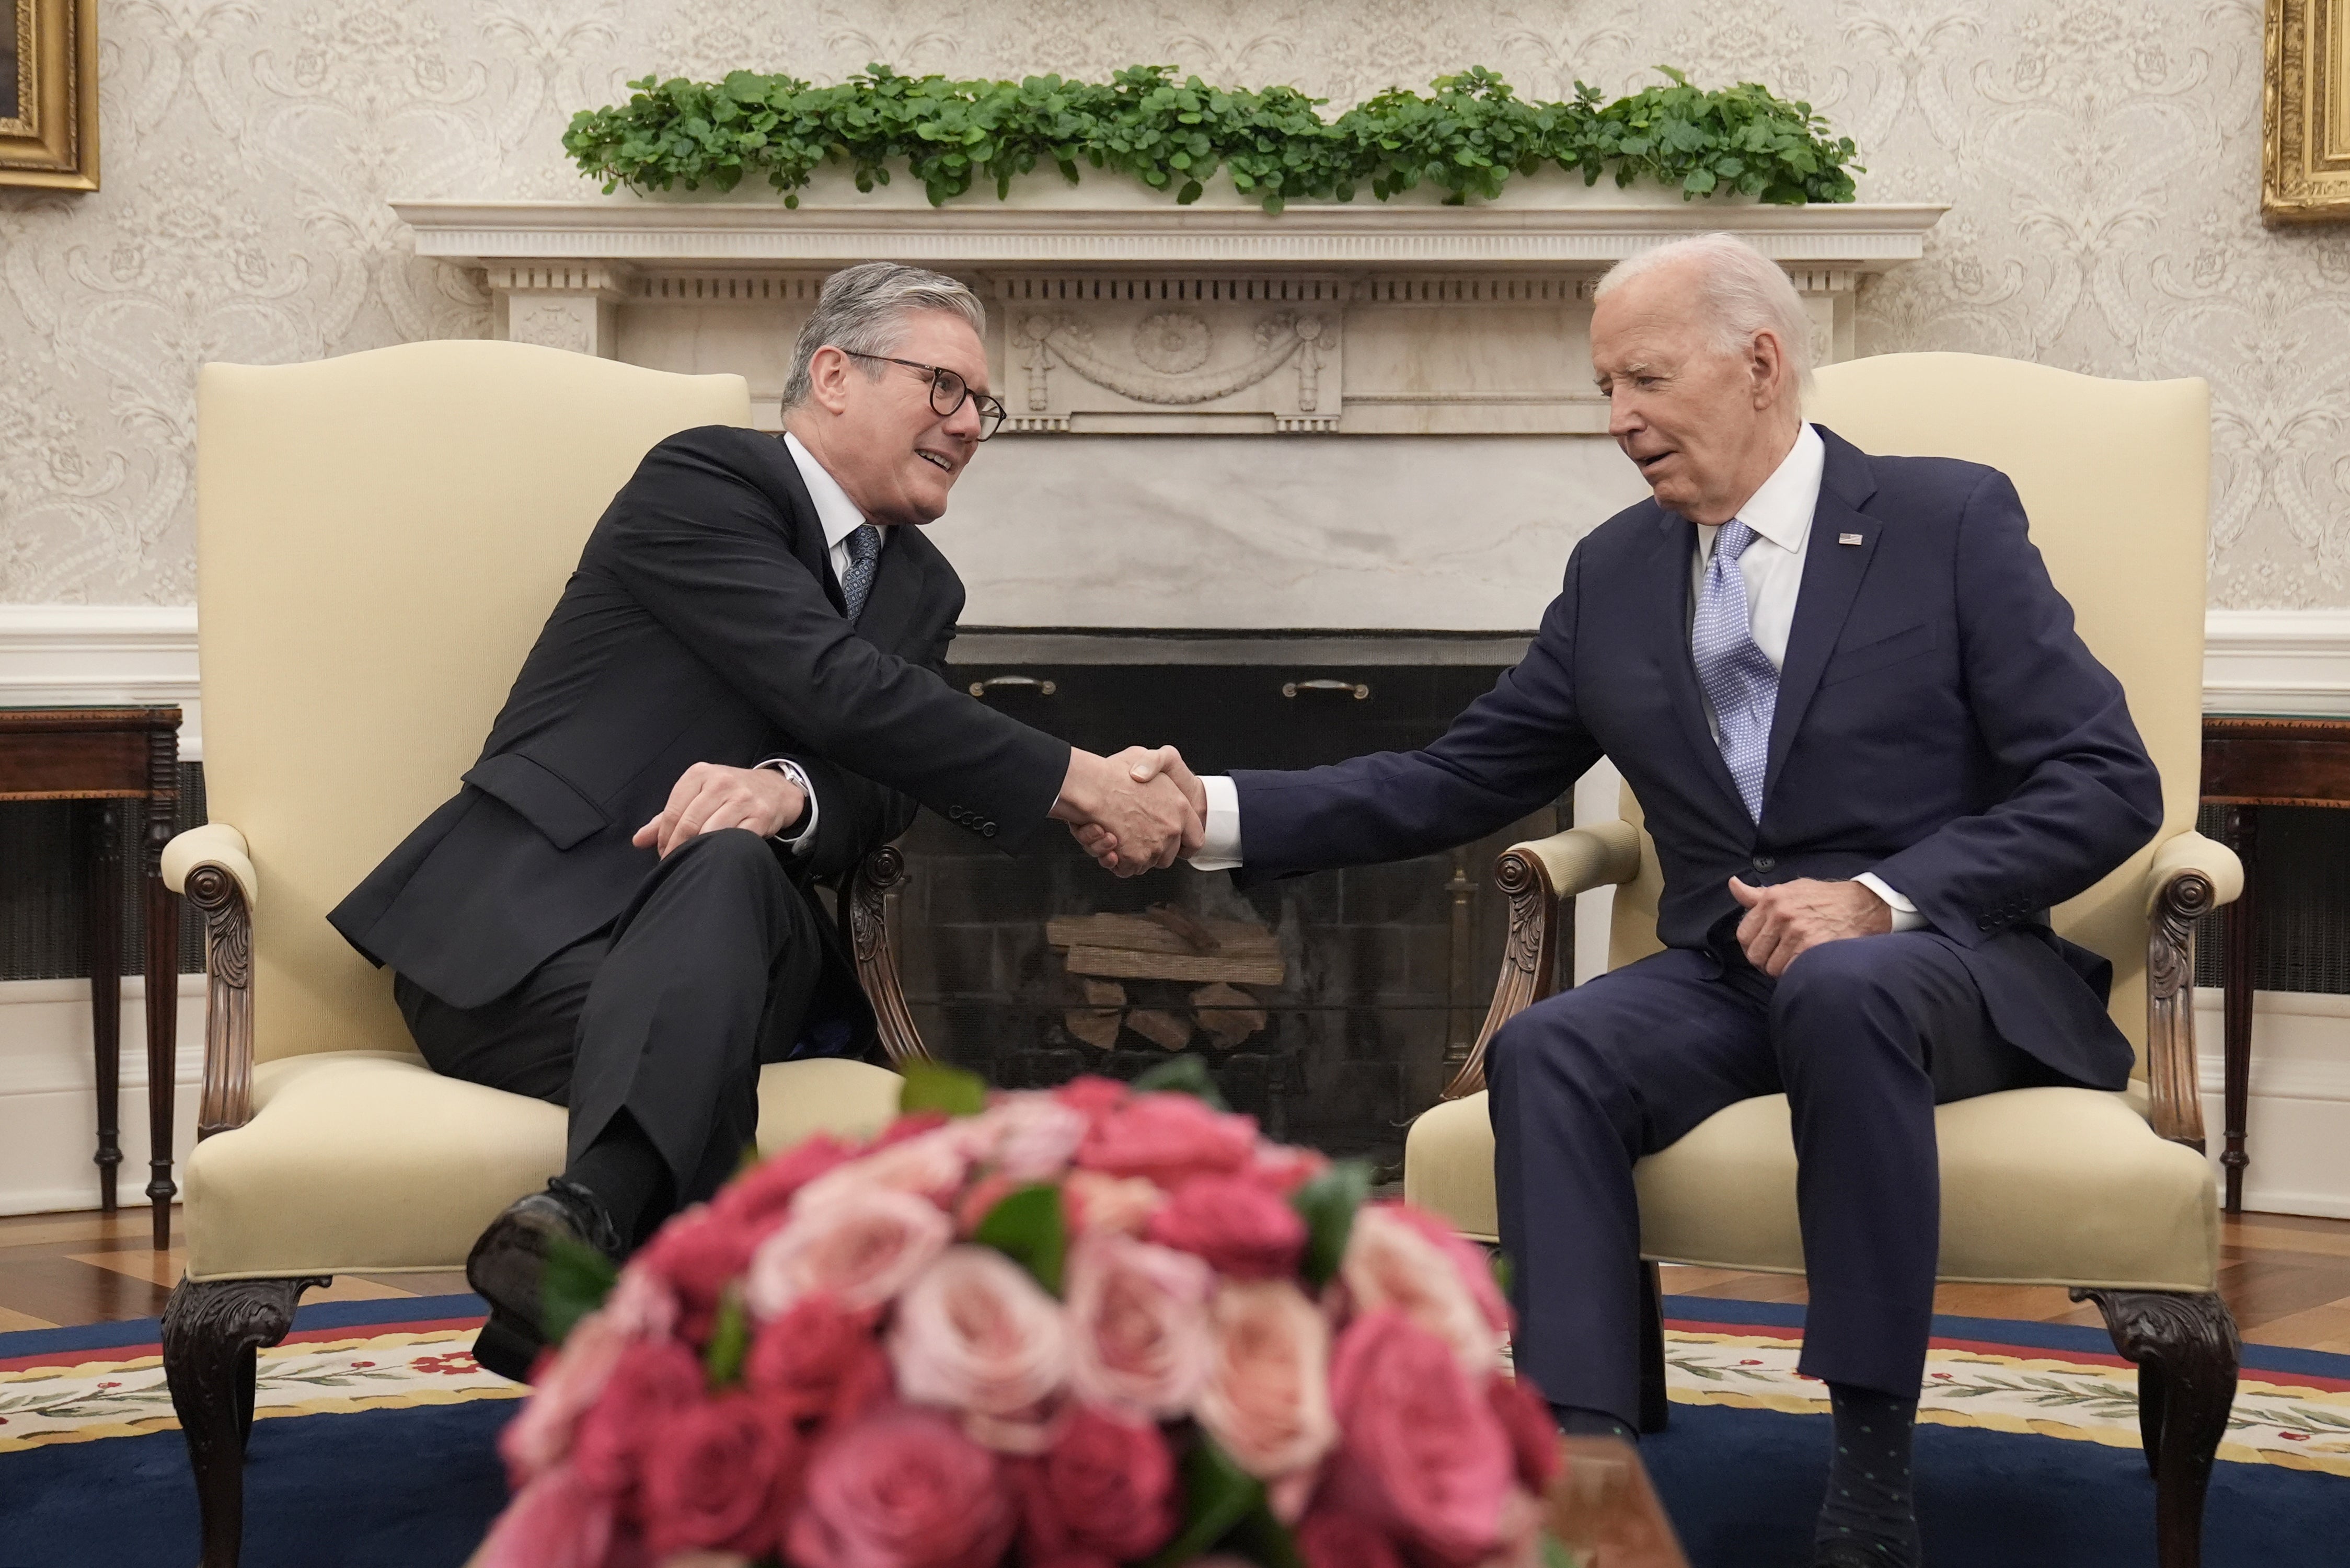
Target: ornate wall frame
(48, 99)
(2306, 113)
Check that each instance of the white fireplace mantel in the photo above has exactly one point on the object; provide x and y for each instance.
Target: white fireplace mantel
(1456, 340)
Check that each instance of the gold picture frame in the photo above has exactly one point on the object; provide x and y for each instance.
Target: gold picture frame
(2305, 112)
(49, 93)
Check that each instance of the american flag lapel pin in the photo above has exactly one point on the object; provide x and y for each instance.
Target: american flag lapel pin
(1847, 539)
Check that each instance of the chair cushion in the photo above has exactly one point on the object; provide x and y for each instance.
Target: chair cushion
(369, 1162)
(2039, 1187)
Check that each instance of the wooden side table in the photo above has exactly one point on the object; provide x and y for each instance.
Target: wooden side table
(105, 757)
(2250, 762)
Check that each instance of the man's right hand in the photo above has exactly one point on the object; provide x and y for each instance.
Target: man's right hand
(1135, 812)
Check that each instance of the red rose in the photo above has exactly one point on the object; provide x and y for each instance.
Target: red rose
(1420, 1451)
(798, 1361)
(556, 1522)
(902, 1488)
(699, 1252)
(1532, 1431)
(1168, 1137)
(1236, 1223)
(1106, 1488)
(1097, 1096)
(761, 1197)
(651, 1378)
(1329, 1539)
(719, 1474)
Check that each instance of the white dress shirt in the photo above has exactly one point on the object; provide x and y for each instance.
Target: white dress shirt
(1780, 512)
(840, 518)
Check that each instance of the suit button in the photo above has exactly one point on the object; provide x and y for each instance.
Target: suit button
(988, 831)
(1764, 862)
(1985, 924)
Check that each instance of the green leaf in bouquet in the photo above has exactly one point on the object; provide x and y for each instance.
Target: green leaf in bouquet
(1027, 1227)
(1217, 1496)
(730, 1341)
(1505, 1271)
(1556, 1555)
(935, 1086)
(577, 1281)
(1328, 1204)
(1264, 1540)
(1184, 1075)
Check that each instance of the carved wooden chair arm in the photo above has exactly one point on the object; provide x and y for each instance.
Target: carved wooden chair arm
(2191, 877)
(1541, 876)
(211, 865)
(868, 906)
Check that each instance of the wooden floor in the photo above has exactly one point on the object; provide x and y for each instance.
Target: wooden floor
(2286, 1278)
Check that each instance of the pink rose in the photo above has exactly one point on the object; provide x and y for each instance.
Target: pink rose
(1267, 1400)
(977, 1335)
(1470, 1261)
(902, 1488)
(653, 1378)
(1423, 1455)
(1093, 1096)
(759, 1198)
(1092, 1201)
(1105, 1491)
(641, 1306)
(1167, 1137)
(802, 1359)
(1027, 1136)
(859, 1245)
(1533, 1431)
(931, 1164)
(1243, 1229)
(1138, 1314)
(1285, 1167)
(1331, 1539)
(556, 1522)
(720, 1474)
(697, 1253)
(1390, 1263)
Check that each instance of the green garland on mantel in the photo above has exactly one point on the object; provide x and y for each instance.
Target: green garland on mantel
(1468, 135)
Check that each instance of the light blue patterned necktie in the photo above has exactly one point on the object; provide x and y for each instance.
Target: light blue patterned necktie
(1738, 678)
(864, 549)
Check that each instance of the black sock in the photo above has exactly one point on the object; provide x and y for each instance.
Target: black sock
(1869, 1511)
(1576, 1421)
(627, 1176)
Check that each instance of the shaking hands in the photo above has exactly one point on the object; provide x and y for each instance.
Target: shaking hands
(1135, 812)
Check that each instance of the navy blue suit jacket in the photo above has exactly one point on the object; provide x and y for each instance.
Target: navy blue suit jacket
(1938, 722)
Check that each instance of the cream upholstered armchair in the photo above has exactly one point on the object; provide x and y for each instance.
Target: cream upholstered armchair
(2106, 1193)
(379, 539)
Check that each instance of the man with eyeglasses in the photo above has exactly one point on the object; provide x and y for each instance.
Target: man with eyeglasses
(752, 641)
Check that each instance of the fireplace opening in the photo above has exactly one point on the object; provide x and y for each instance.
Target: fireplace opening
(1332, 1006)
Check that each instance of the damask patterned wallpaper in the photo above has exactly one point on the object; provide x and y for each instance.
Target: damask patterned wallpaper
(2101, 158)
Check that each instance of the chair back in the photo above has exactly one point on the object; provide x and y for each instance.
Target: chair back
(379, 539)
(2116, 478)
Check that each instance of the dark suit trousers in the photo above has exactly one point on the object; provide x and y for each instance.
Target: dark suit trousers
(1864, 1037)
(667, 1013)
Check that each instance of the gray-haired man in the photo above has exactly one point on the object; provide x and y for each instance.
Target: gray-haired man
(751, 642)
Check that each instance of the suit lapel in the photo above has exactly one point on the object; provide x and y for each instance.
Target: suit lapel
(1833, 571)
(1667, 592)
(808, 529)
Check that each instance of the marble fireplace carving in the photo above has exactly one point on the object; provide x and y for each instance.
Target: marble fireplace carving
(1352, 416)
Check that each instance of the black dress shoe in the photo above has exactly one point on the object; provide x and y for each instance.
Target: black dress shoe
(509, 1262)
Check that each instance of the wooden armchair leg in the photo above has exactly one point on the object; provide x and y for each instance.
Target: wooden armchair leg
(2185, 1348)
(1656, 1411)
(211, 1333)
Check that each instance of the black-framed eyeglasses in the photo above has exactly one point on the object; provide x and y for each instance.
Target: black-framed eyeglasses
(947, 391)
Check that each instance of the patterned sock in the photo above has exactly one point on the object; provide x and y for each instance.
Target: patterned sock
(1869, 1516)
(1576, 1421)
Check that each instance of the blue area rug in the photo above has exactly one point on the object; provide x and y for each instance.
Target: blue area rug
(378, 1451)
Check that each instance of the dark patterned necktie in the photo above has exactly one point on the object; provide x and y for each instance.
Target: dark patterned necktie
(864, 549)
(1737, 676)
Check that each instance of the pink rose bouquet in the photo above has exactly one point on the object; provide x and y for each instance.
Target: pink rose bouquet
(1082, 1328)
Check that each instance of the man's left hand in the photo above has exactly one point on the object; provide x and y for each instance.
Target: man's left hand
(711, 796)
(1787, 919)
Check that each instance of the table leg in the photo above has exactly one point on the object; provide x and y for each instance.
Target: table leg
(99, 823)
(162, 978)
(2240, 828)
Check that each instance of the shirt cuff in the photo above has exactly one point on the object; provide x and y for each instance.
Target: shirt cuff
(1906, 917)
(1221, 851)
(804, 841)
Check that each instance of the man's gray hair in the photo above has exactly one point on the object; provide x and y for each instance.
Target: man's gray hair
(863, 310)
(1745, 292)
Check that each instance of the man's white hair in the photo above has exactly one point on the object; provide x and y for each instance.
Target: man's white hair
(863, 309)
(1745, 292)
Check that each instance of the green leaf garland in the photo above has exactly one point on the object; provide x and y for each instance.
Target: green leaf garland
(1468, 136)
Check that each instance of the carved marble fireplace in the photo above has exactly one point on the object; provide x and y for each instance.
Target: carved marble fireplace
(1348, 446)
